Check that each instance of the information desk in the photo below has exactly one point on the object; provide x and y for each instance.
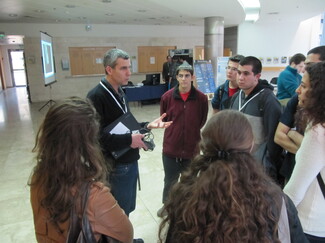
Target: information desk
(146, 92)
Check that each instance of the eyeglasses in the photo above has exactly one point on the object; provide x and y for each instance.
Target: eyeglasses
(184, 75)
(231, 69)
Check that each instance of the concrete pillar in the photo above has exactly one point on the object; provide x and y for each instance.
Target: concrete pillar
(213, 40)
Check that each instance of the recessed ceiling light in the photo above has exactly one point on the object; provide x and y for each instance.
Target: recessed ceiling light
(70, 6)
(109, 14)
(39, 11)
(13, 15)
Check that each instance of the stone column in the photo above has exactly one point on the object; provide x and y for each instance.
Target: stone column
(213, 40)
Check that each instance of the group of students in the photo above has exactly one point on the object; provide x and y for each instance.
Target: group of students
(224, 194)
(299, 131)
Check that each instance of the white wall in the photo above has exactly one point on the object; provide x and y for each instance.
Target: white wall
(126, 37)
(103, 30)
(278, 39)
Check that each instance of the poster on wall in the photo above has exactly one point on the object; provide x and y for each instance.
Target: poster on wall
(283, 60)
(204, 76)
(261, 59)
(222, 70)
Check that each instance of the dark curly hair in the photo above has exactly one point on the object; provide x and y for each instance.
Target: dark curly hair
(68, 155)
(314, 106)
(224, 196)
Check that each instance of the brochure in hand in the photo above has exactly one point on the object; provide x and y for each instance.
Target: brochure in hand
(124, 124)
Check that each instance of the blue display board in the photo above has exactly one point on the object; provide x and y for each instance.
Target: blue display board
(204, 76)
(222, 67)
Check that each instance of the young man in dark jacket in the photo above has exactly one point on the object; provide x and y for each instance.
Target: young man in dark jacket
(187, 107)
(258, 102)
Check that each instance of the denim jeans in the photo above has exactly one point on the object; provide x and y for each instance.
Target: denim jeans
(173, 168)
(123, 182)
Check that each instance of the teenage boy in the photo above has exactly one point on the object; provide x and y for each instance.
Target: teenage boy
(223, 94)
(187, 107)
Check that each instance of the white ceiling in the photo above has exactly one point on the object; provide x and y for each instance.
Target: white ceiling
(151, 12)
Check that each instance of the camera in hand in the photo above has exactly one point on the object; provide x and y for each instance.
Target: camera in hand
(148, 141)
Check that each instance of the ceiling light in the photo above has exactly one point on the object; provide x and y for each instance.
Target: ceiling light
(39, 11)
(70, 6)
(88, 27)
(13, 15)
(252, 17)
(251, 8)
(250, 3)
(109, 14)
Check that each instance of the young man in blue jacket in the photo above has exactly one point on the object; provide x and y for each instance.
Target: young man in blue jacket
(223, 94)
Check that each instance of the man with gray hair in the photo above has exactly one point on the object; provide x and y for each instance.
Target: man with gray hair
(110, 102)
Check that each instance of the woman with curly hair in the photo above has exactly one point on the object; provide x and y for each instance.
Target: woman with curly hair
(225, 196)
(303, 187)
(69, 163)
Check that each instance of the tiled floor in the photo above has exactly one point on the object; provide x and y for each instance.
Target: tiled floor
(19, 122)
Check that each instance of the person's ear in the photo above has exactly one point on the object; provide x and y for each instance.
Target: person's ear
(108, 70)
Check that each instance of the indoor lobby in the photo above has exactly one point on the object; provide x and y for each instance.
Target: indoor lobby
(19, 122)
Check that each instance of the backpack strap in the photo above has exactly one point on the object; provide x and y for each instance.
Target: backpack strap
(321, 183)
(221, 91)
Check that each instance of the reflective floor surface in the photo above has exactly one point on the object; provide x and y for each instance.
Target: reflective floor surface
(19, 122)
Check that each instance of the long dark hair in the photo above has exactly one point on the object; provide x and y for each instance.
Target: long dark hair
(68, 155)
(224, 196)
(314, 106)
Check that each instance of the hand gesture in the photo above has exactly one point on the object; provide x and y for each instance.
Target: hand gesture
(159, 123)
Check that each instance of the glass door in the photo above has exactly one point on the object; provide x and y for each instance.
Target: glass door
(17, 67)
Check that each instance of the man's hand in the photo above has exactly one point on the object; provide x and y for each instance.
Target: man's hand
(159, 123)
(137, 141)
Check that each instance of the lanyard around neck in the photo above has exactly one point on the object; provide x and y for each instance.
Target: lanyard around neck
(118, 103)
(240, 108)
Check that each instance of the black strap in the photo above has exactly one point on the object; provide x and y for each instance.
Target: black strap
(81, 232)
(321, 183)
(220, 94)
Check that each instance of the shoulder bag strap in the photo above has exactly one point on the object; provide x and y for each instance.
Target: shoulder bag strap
(283, 225)
(81, 232)
(321, 183)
